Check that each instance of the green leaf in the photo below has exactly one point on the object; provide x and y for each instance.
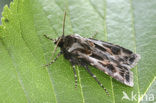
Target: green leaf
(24, 50)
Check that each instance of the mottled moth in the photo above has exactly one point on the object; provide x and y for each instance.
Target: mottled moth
(113, 60)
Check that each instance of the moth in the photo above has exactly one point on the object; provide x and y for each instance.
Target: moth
(113, 60)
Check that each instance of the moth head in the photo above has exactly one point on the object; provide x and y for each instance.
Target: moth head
(59, 42)
(65, 41)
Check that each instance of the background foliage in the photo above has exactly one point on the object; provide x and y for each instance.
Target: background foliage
(24, 50)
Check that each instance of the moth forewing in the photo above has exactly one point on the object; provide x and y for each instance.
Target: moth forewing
(103, 56)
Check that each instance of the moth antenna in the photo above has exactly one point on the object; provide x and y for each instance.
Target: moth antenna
(62, 34)
(64, 22)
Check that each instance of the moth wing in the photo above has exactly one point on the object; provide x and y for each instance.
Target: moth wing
(120, 73)
(124, 56)
(107, 57)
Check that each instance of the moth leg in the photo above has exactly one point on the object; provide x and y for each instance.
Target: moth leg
(75, 75)
(48, 37)
(94, 76)
(59, 54)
